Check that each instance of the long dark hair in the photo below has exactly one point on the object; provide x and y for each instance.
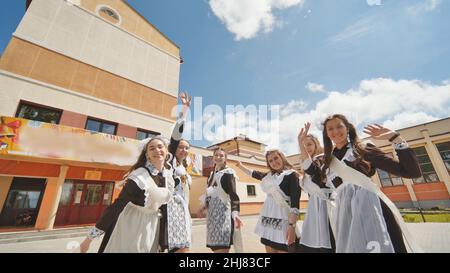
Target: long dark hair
(211, 177)
(184, 162)
(359, 149)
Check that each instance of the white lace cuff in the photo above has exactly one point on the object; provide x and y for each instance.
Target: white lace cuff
(295, 211)
(306, 163)
(94, 233)
(401, 146)
(235, 214)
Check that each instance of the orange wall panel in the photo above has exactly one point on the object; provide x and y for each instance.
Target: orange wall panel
(29, 60)
(133, 95)
(109, 87)
(106, 174)
(250, 208)
(54, 68)
(397, 193)
(431, 191)
(28, 169)
(19, 57)
(84, 79)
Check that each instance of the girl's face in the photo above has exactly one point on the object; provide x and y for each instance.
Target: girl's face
(219, 158)
(310, 146)
(156, 151)
(337, 131)
(182, 150)
(275, 161)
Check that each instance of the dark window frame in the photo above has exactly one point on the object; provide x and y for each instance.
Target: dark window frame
(390, 176)
(102, 121)
(251, 192)
(41, 106)
(429, 162)
(441, 153)
(146, 132)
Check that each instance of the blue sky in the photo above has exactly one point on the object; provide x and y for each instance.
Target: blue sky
(385, 61)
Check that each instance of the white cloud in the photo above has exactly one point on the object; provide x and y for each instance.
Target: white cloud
(394, 103)
(315, 87)
(246, 18)
(423, 6)
(407, 119)
(373, 2)
(293, 106)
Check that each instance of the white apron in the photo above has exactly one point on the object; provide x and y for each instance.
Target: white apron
(136, 230)
(357, 220)
(274, 217)
(315, 228)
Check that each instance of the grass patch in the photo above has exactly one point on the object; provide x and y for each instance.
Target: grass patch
(301, 217)
(417, 218)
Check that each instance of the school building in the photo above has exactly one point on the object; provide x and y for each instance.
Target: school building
(251, 154)
(80, 83)
(431, 144)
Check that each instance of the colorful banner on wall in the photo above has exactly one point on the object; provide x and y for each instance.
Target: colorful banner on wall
(194, 162)
(28, 138)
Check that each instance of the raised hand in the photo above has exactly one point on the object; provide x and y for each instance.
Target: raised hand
(185, 99)
(303, 133)
(379, 132)
(301, 140)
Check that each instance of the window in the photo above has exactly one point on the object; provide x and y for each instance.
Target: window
(38, 113)
(107, 195)
(387, 179)
(251, 190)
(444, 150)
(66, 193)
(428, 172)
(142, 134)
(109, 14)
(23, 199)
(93, 195)
(101, 126)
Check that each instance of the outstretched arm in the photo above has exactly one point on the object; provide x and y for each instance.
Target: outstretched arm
(407, 166)
(177, 132)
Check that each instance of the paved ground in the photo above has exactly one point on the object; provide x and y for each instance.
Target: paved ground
(432, 237)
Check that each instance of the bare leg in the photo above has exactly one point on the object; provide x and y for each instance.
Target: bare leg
(182, 250)
(225, 250)
(270, 250)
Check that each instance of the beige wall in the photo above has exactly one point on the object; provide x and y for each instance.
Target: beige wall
(28, 60)
(81, 35)
(14, 89)
(198, 188)
(134, 23)
(5, 184)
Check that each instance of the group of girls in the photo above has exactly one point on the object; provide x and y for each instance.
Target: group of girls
(346, 211)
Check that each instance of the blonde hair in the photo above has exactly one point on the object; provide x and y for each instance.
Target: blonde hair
(319, 148)
(214, 153)
(286, 164)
